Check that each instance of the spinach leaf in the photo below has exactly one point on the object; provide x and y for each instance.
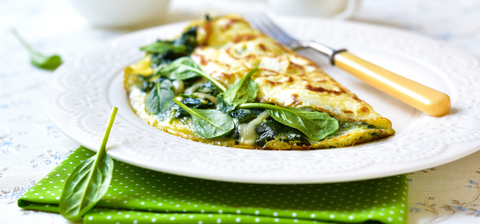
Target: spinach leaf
(161, 47)
(47, 62)
(209, 123)
(190, 101)
(147, 83)
(89, 181)
(245, 115)
(164, 52)
(178, 69)
(224, 106)
(186, 68)
(315, 125)
(159, 98)
(243, 91)
(188, 38)
(208, 88)
(271, 129)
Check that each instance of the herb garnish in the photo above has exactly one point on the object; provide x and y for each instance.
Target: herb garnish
(163, 47)
(209, 123)
(315, 125)
(89, 181)
(159, 98)
(185, 68)
(178, 69)
(164, 51)
(48, 62)
(243, 91)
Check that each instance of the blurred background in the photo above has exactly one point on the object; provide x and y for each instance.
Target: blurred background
(71, 28)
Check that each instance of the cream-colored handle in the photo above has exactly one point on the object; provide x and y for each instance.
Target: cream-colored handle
(424, 98)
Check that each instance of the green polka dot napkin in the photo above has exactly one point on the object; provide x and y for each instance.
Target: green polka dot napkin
(137, 195)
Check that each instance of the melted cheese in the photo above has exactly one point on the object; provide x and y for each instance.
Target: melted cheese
(247, 131)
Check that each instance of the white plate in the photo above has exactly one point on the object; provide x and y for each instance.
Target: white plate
(81, 95)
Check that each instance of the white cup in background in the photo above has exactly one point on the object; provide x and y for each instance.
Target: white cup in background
(341, 9)
(121, 13)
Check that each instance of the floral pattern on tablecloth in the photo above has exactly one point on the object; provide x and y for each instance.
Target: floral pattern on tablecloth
(429, 203)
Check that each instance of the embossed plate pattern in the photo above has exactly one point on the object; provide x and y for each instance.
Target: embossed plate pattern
(81, 94)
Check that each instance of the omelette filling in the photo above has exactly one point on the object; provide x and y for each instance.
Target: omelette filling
(173, 89)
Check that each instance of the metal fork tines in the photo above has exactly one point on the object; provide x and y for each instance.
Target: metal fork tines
(264, 24)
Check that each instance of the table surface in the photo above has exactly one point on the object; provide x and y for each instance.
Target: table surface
(31, 146)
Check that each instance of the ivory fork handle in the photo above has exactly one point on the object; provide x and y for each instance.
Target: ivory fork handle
(423, 98)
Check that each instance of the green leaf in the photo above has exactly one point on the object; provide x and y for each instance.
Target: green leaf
(159, 98)
(222, 105)
(209, 123)
(47, 62)
(162, 47)
(243, 91)
(178, 69)
(89, 181)
(315, 125)
(185, 68)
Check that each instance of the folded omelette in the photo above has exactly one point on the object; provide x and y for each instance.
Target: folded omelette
(222, 82)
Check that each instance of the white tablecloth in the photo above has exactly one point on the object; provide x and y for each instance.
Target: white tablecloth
(31, 146)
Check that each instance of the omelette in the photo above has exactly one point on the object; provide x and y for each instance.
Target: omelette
(223, 83)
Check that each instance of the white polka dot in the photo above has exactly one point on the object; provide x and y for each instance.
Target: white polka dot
(154, 220)
(312, 215)
(172, 218)
(257, 220)
(109, 217)
(275, 214)
(294, 214)
(389, 219)
(350, 217)
(238, 220)
(219, 221)
(332, 216)
(127, 216)
(276, 220)
(135, 221)
(191, 216)
(90, 218)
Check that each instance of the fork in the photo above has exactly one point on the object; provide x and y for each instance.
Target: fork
(419, 96)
